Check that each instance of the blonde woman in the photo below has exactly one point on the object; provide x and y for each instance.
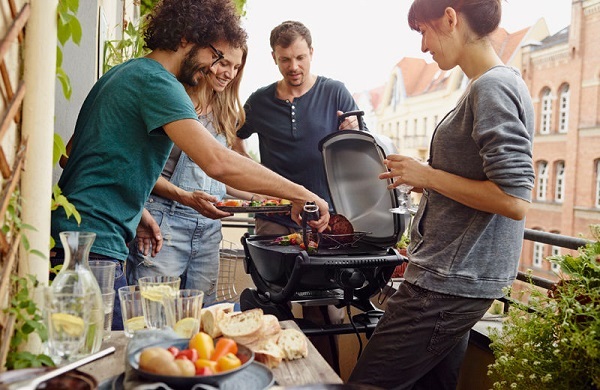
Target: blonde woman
(182, 200)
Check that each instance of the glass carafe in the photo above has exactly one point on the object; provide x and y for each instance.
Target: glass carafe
(75, 276)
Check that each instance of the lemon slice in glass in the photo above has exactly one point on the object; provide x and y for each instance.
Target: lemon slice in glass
(157, 293)
(187, 327)
(68, 323)
(135, 323)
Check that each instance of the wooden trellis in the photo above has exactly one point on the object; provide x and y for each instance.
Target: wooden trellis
(11, 173)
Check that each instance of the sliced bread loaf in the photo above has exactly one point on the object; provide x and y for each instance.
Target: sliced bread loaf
(244, 327)
(211, 316)
(268, 353)
(293, 343)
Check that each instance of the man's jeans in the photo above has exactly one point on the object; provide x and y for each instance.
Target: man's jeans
(420, 341)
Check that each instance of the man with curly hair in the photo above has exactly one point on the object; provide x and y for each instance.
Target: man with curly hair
(127, 126)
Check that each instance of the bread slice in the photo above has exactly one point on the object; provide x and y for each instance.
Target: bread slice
(268, 353)
(293, 343)
(270, 327)
(211, 316)
(244, 327)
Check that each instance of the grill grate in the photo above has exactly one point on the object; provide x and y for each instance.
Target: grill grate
(229, 255)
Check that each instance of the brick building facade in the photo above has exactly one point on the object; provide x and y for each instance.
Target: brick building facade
(562, 73)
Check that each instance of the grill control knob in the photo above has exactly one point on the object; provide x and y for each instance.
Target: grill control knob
(350, 278)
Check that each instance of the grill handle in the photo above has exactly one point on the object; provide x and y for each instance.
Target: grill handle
(358, 113)
(286, 293)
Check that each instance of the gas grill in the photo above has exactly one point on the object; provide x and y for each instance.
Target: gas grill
(341, 274)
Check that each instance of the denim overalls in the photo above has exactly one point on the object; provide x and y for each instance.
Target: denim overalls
(191, 240)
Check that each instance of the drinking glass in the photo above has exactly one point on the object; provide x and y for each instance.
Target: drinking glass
(104, 271)
(108, 300)
(405, 205)
(183, 312)
(66, 316)
(154, 290)
(131, 308)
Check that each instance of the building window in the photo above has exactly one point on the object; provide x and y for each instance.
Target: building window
(546, 111)
(597, 202)
(542, 180)
(563, 113)
(423, 128)
(538, 254)
(555, 252)
(559, 190)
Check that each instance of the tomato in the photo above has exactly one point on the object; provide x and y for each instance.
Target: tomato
(190, 354)
(220, 203)
(206, 363)
(228, 362)
(202, 343)
(204, 371)
(174, 350)
(233, 203)
(224, 346)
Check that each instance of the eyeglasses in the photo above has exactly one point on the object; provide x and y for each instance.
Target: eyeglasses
(219, 54)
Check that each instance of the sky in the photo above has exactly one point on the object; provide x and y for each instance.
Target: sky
(359, 41)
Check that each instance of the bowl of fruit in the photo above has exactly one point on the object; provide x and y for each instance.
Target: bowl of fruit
(183, 363)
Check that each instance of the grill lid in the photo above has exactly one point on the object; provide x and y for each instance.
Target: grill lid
(353, 162)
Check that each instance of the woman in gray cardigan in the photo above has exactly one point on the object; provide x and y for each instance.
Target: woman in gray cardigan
(467, 234)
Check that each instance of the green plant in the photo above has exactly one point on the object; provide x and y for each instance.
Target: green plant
(13, 223)
(28, 320)
(68, 27)
(121, 50)
(554, 341)
(403, 242)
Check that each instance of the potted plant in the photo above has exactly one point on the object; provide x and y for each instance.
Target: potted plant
(554, 341)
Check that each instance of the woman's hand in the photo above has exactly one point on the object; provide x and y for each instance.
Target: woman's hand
(406, 170)
(204, 204)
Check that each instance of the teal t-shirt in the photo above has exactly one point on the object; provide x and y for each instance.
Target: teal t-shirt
(118, 152)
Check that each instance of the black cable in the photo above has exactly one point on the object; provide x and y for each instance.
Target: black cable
(360, 344)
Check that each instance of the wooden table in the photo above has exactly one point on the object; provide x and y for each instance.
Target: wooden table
(310, 370)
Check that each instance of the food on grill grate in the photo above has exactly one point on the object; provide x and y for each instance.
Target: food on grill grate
(340, 225)
(290, 239)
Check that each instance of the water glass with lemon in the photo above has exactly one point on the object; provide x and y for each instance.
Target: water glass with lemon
(131, 309)
(183, 312)
(155, 290)
(66, 316)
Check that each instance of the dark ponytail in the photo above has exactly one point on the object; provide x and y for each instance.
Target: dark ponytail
(483, 16)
